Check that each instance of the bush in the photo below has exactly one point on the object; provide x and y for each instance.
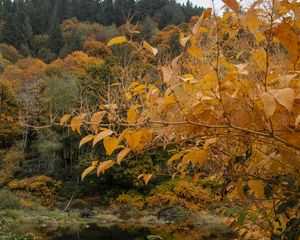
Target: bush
(9, 52)
(42, 187)
(131, 199)
(180, 193)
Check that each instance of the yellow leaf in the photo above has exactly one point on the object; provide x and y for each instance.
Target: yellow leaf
(167, 74)
(209, 142)
(85, 140)
(146, 177)
(139, 88)
(88, 170)
(76, 123)
(233, 5)
(133, 139)
(96, 119)
(252, 21)
(116, 84)
(269, 104)
(101, 136)
(103, 166)
(132, 115)
(184, 40)
(240, 189)
(65, 118)
(195, 157)
(261, 58)
(204, 15)
(195, 52)
(257, 187)
(289, 39)
(128, 95)
(297, 121)
(122, 155)
(174, 158)
(133, 85)
(151, 49)
(285, 97)
(117, 40)
(207, 13)
(110, 145)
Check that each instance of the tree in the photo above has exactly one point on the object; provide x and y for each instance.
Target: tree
(220, 113)
(55, 38)
(148, 28)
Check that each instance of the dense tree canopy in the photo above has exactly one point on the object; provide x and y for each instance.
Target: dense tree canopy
(21, 20)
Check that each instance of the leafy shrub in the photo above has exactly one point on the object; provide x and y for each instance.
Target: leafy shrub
(131, 199)
(180, 193)
(42, 187)
(9, 52)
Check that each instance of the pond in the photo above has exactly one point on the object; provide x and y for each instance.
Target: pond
(135, 232)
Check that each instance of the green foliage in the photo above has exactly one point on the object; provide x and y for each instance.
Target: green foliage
(10, 161)
(9, 52)
(9, 200)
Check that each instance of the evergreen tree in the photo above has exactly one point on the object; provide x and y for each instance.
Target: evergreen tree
(9, 31)
(106, 13)
(27, 30)
(55, 42)
(147, 30)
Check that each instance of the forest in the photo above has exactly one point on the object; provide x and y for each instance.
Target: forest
(138, 119)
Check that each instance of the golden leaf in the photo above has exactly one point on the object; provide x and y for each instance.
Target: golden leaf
(195, 52)
(76, 123)
(233, 5)
(289, 39)
(65, 118)
(103, 166)
(167, 74)
(257, 187)
(101, 136)
(122, 155)
(285, 97)
(297, 121)
(146, 177)
(195, 157)
(110, 145)
(132, 115)
(252, 21)
(174, 158)
(204, 15)
(260, 57)
(96, 119)
(117, 40)
(269, 104)
(151, 49)
(184, 40)
(209, 142)
(89, 170)
(86, 139)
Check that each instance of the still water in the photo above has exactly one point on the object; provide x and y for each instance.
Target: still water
(127, 232)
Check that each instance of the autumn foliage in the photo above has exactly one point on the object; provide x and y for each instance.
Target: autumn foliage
(230, 104)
